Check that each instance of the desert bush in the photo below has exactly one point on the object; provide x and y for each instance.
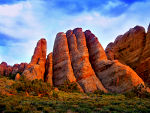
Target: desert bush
(35, 87)
(69, 87)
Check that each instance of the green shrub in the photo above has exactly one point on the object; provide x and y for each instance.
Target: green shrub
(138, 91)
(99, 92)
(35, 87)
(12, 76)
(69, 87)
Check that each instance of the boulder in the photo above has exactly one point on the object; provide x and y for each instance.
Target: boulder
(17, 76)
(116, 77)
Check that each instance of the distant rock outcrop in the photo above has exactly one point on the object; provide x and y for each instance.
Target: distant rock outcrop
(36, 68)
(7, 70)
(133, 49)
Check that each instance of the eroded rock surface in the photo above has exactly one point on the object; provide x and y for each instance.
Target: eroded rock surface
(62, 69)
(133, 49)
(82, 68)
(116, 77)
(36, 68)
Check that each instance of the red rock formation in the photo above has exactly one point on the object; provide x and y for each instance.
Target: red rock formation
(127, 48)
(3, 67)
(49, 69)
(62, 69)
(95, 49)
(7, 70)
(143, 69)
(116, 77)
(36, 68)
(133, 49)
(80, 61)
(79, 57)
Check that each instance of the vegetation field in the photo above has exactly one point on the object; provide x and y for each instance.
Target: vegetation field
(18, 100)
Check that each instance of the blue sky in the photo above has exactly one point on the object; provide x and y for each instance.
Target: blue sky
(24, 22)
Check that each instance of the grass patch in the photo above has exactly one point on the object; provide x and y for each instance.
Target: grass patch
(63, 101)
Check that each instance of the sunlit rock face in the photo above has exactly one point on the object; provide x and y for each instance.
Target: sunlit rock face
(62, 69)
(17, 77)
(133, 49)
(116, 77)
(81, 65)
(36, 68)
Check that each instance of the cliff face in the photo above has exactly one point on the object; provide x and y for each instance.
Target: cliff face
(79, 57)
(133, 49)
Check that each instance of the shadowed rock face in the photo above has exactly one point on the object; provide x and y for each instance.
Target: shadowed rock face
(95, 49)
(127, 48)
(133, 49)
(36, 68)
(143, 69)
(49, 69)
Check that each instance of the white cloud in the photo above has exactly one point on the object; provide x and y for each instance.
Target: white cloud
(31, 20)
(18, 21)
(113, 4)
(10, 10)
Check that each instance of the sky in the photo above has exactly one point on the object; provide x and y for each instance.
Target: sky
(24, 22)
